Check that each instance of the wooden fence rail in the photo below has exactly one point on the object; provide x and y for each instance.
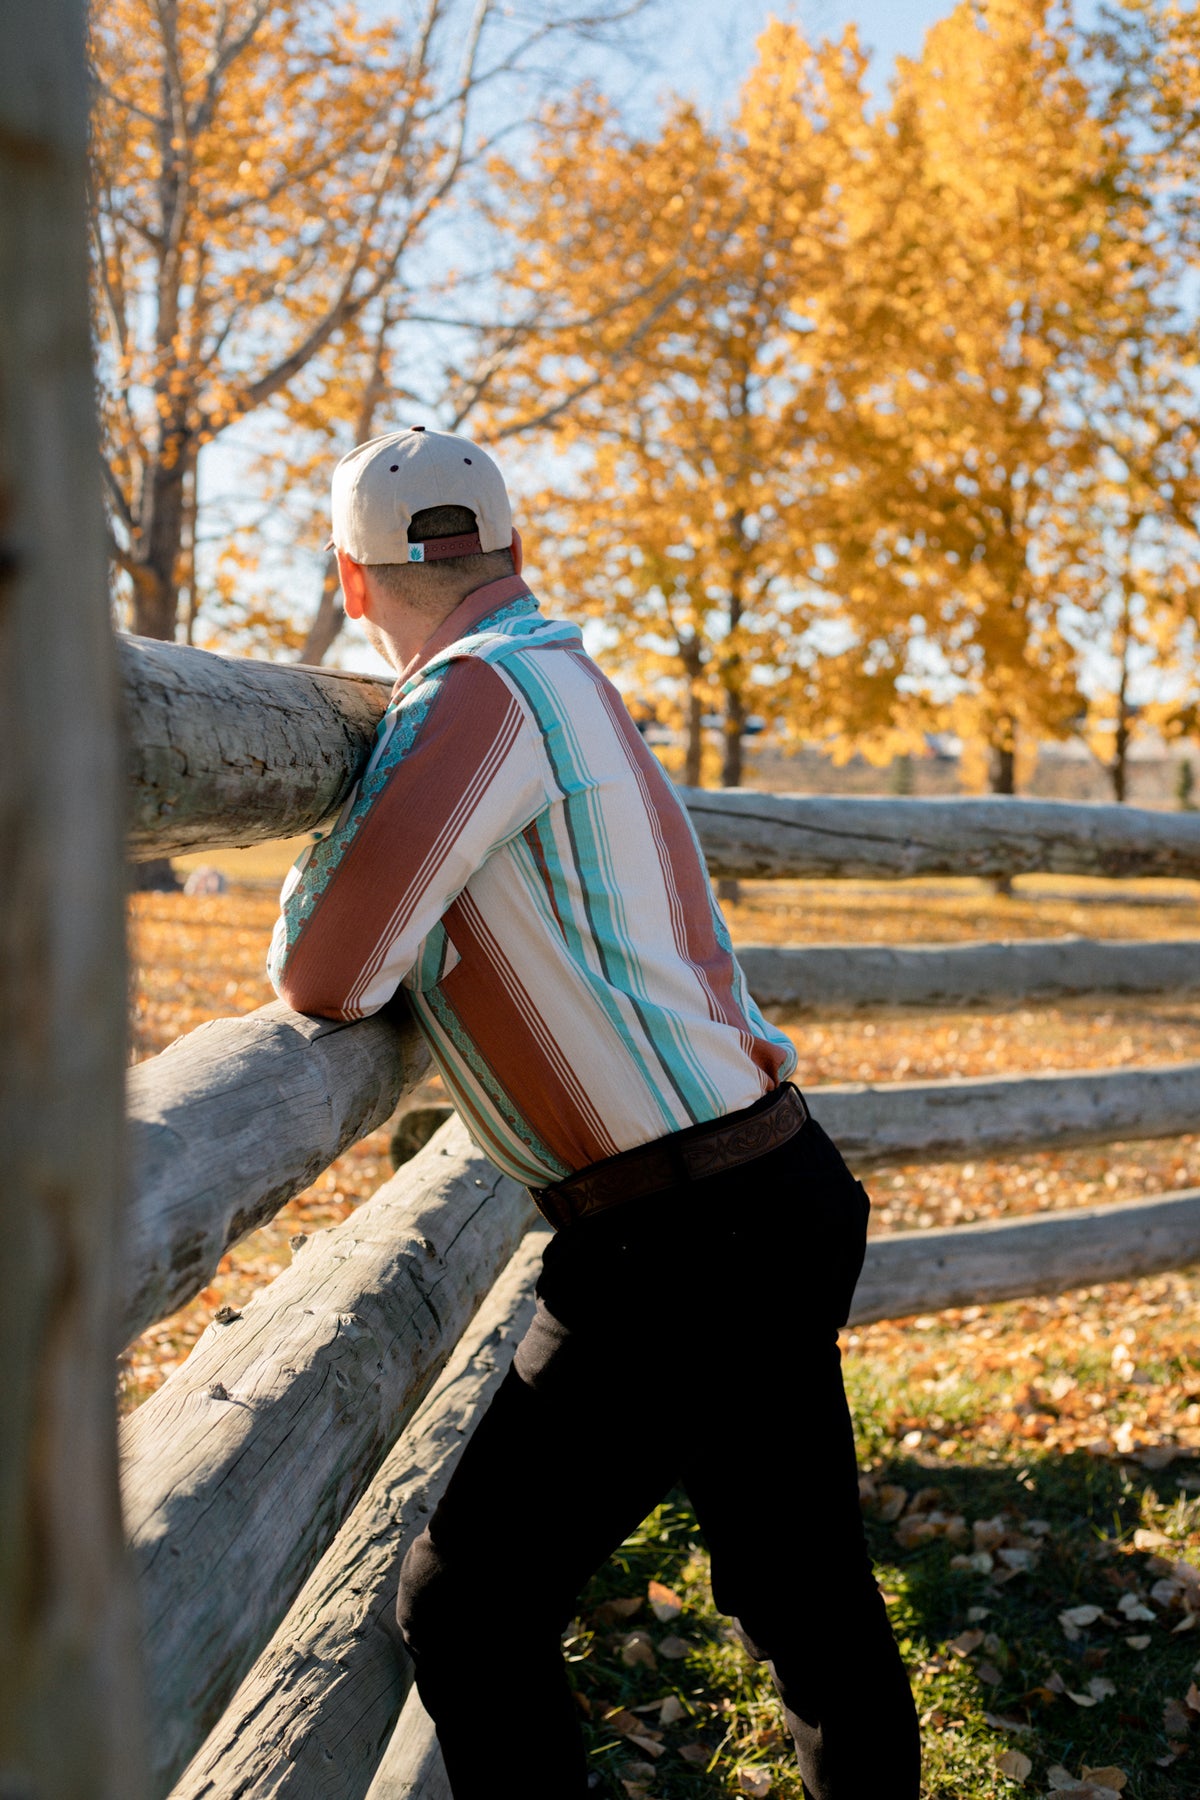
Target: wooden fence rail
(226, 751)
(232, 1120)
(242, 1113)
(240, 1469)
(825, 977)
(316, 1710)
(947, 1121)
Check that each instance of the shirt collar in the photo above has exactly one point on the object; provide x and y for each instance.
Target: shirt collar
(476, 606)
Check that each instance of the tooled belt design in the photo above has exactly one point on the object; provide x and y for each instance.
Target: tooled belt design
(689, 1155)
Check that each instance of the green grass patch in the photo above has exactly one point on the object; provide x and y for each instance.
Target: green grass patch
(993, 1668)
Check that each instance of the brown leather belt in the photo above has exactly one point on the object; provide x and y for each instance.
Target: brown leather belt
(688, 1155)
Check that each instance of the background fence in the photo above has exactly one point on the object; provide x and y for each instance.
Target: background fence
(274, 1481)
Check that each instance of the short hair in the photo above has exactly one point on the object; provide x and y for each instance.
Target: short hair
(410, 581)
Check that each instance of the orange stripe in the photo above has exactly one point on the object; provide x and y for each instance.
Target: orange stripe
(515, 1050)
(401, 839)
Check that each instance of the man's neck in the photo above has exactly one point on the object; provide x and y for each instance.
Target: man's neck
(458, 621)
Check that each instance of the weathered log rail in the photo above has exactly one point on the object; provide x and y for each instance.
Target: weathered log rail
(315, 1712)
(232, 1120)
(238, 1471)
(226, 751)
(272, 1483)
(213, 1157)
(948, 1121)
(827, 977)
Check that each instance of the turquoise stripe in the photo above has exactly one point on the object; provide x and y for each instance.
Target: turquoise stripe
(426, 972)
(583, 816)
(434, 1007)
(743, 996)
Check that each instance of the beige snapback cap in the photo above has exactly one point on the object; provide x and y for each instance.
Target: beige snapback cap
(379, 485)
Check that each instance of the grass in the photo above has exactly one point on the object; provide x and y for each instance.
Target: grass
(1074, 1421)
(1008, 1684)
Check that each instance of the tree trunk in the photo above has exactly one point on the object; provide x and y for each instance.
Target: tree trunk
(733, 765)
(734, 725)
(70, 1722)
(693, 767)
(327, 621)
(1003, 774)
(156, 588)
(1119, 768)
(1003, 769)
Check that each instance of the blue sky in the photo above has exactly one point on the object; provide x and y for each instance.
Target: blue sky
(714, 42)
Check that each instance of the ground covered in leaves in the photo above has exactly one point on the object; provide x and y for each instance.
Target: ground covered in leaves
(1030, 1472)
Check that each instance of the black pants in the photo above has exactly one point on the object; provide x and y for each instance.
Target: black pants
(686, 1338)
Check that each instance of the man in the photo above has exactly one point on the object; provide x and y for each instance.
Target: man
(516, 859)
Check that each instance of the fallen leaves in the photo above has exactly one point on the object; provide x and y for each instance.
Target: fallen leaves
(635, 1731)
(1092, 1784)
(638, 1649)
(1075, 1620)
(664, 1603)
(1015, 1765)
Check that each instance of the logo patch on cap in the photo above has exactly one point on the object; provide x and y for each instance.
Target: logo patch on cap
(416, 553)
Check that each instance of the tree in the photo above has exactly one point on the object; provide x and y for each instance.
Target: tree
(988, 277)
(687, 489)
(70, 1723)
(1145, 413)
(264, 173)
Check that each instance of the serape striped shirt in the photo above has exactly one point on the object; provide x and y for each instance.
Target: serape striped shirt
(516, 858)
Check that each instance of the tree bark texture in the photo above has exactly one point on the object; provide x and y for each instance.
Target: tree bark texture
(239, 1471)
(821, 977)
(228, 751)
(70, 1712)
(316, 1711)
(948, 1121)
(909, 1272)
(231, 1121)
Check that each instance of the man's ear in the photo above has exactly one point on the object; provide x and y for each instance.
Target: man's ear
(354, 585)
(518, 552)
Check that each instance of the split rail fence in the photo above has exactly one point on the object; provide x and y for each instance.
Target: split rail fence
(274, 1481)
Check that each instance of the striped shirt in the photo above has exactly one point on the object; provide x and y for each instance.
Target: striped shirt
(518, 861)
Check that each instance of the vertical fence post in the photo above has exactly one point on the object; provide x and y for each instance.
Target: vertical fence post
(69, 1697)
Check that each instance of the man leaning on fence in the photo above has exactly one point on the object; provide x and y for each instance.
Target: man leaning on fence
(515, 858)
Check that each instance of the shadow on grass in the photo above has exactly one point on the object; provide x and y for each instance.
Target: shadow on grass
(1008, 1685)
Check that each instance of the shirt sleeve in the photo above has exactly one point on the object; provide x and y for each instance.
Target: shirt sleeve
(453, 775)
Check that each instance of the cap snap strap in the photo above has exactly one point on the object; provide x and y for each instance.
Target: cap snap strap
(433, 549)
